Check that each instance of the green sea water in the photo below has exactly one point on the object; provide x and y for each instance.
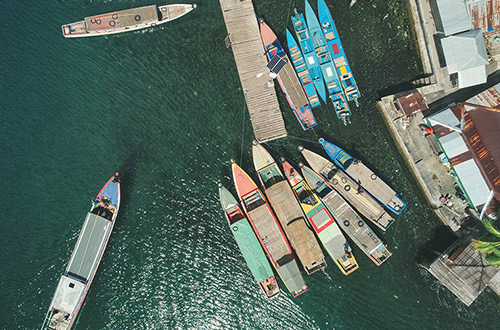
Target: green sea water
(164, 107)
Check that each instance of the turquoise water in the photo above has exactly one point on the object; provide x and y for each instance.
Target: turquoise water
(165, 108)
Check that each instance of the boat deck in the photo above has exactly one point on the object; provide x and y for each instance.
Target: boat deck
(378, 188)
(170, 12)
(90, 245)
(260, 95)
(294, 224)
(268, 231)
(122, 18)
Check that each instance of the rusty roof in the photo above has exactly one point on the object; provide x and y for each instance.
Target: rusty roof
(484, 14)
(411, 103)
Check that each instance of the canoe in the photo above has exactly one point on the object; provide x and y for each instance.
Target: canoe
(301, 69)
(248, 243)
(312, 63)
(75, 282)
(288, 210)
(347, 218)
(287, 78)
(349, 189)
(322, 222)
(268, 231)
(338, 54)
(360, 173)
(332, 81)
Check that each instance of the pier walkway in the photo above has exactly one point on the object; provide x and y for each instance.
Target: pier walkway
(251, 61)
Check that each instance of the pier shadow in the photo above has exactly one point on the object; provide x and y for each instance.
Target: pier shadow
(442, 238)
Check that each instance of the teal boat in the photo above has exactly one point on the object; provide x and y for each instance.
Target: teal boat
(364, 176)
(312, 63)
(347, 218)
(302, 72)
(338, 55)
(248, 243)
(332, 81)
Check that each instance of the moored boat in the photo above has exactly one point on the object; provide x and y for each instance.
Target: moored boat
(81, 269)
(332, 81)
(288, 210)
(301, 69)
(337, 51)
(349, 189)
(287, 78)
(248, 243)
(312, 63)
(268, 231)
(347, 218)
(321, 220)
(126, 20)
(364, 176)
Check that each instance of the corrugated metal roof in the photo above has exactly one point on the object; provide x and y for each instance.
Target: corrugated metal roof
(473, 182)
(453, 144)
(484, 14)
(464, 51)
(454, 16)
(446, 118)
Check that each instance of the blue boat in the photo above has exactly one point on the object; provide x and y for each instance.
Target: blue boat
(302, 72)
(364, 176)
(332, 81)
(312, 63)
(338, 55)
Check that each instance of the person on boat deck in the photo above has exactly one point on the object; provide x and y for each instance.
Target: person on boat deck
(360, 188)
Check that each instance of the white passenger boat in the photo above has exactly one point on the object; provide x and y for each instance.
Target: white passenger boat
(126, 20)
(77, 278)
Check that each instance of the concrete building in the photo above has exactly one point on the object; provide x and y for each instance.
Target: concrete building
(469, 135)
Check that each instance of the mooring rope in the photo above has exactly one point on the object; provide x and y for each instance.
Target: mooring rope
(243, 126)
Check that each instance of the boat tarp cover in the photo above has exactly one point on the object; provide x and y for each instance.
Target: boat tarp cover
(290, 274)
(251, 250)
(89, 246)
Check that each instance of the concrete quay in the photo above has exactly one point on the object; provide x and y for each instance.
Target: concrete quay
(431, 174)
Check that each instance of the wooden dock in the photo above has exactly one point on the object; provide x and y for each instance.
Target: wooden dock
(251, 61)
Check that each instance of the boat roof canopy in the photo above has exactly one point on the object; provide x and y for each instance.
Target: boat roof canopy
(67, 294)
(89, 246)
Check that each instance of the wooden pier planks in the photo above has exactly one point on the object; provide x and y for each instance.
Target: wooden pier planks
(262, 103)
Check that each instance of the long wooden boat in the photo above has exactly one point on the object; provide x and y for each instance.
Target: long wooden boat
(339, 58)
(268, 231)
(312, 63)
(364, 176)
(248, 243)
(332, 81)
(126, 20)
(321, 220)
(347, 218)
(302, 72)
(287, 78)
(365, 203)
(79, 274)
(288, 210)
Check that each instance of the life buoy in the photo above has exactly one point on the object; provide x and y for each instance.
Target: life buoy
(112, 23)
(93, 20)
(114, 16)
(346, 223)
(335, 181)
(137, 18)
(361, 223)
(235, 228)
(397, 208)
(98, 21)
(373, 176)
(344, 180)
(347, 187)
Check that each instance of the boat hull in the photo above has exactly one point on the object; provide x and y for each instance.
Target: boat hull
(74, 284)
(349, 189)
(347, 218)
(248, 244)
(268, 231)
(338, 54)
(322, 222)
(119, 21)
(363, 175)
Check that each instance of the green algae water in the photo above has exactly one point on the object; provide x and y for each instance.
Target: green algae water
(165, 108)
